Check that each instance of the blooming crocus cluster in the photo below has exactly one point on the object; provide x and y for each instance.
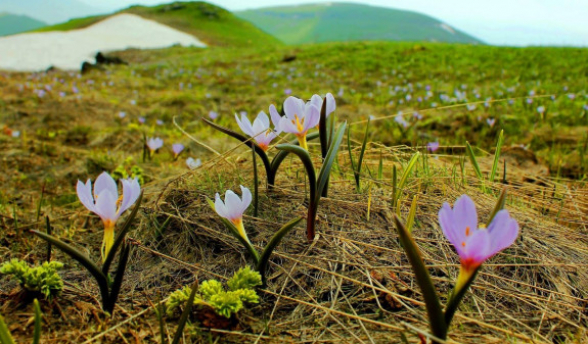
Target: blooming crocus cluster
(260, 130)
(154, 143)
(474, 243)
(233, 208)
(105, 202)
(299, 118)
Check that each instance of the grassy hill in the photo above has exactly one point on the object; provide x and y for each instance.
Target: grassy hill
(337, 22)
(11, 24)
(211, 24)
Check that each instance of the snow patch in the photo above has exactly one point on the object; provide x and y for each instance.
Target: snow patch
(69, 49)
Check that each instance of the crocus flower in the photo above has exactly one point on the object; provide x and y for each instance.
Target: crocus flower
(474, 243)
(541, 109)
(299, 118)
(432, 146)
(193, 164)
(141, 120)
(177, 148)
(105, 202)
(491, 121)
(233, 208)
(317, 101)
(213, 115)
(260, 129)
(154, 144)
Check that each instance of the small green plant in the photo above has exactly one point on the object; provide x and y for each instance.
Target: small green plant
(129, 170)
(39, 279)
(241, 289)
(6, 336)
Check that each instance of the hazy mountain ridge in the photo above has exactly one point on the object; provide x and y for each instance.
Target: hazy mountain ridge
(49, 11)
(12, 23)
(351, 22)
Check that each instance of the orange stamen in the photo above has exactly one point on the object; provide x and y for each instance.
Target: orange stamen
(468, 231)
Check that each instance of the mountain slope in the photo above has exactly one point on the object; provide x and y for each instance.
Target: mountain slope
(12, 23)
(213, 25)
(49, 11)
(332, 22)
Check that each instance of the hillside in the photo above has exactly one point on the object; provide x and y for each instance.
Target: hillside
(336, 22)
(213, 25)
(11, 24)
(49, 11)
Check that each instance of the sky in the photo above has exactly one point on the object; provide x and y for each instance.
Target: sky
(500, 22)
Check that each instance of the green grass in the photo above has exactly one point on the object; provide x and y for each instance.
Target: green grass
(350, 22)
(211, 24)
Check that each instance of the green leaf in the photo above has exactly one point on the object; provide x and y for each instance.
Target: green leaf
(323, 133)
(406, 173)
(38, 321)
(499, 205)
(281, 155)
(455, 299)
(472, 156)
(271, 245)
(434, 310)
(185, 314)
(118, 279)
(497, 156)
(121, 236)
(5, 336)
(353, 168)
(314, 192)
(361, 154)
(323, 177)
(248, 141)
(411, 214)
(94, 270)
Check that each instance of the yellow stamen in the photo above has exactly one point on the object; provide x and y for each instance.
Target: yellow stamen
(299, 123)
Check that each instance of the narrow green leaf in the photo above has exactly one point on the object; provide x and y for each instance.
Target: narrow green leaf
(353, 168)
(361, 153)
(48, 226)
(38, 321)
(248, 141)
(499, 205)
(121, 235)
(271, 245)
(472, 156)
(411, 164)
(5, 336)
(255, 182)
(281, 155)
(497, 156)
(434, 310)
(323, 133)
(323, 177)
(185, 314)
(411, 214)
(92, 268)
(118, 278)
(381, 167)
(455, 299)
(394, 186)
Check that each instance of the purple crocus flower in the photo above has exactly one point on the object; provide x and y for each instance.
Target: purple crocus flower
(475, 244)
(122, 114)
(491, 121)
(432, 146)
(260, 130)
(159, 122)
(288, 91)
(213, 115)
(541, 109)
(154, 143)
(105, 202)
(317, 101)
(400, 120)
(141, 120)
(193, 163)
(177, 148)
(298, 120)
(233, 208)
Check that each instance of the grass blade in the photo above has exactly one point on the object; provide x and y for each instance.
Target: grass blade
(472, 156)
(406, 173)
(499, 205)
(497, 156)
(434, 310)
(185, 314)
(355, 175)
(121, 236)
(255, 182)
(38, 321)
(94, 270)
(323, 177)
(361, 154)
(271, 245)
(411, 214)
(5, 336)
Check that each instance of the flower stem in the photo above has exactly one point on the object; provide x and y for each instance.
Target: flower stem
(302, 141)
(108, 240)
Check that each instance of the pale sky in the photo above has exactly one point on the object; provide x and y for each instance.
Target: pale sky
(501, 22)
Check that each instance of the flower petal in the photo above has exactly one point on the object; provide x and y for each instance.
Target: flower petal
(312, 117)
(233, 205)
(219, 207)
(106, 206)
(477, 247)
(105, 182)
(244, 124)
(331, 104)
(85, 194)
(465, 214)
(245, 198)
(131, 191)
(293, 106)
(503, 230)
(275, 116)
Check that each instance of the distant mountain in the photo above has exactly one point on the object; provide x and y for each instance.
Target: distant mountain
(211, 24)
(49, 11)
(330, 22)
(11, 24)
